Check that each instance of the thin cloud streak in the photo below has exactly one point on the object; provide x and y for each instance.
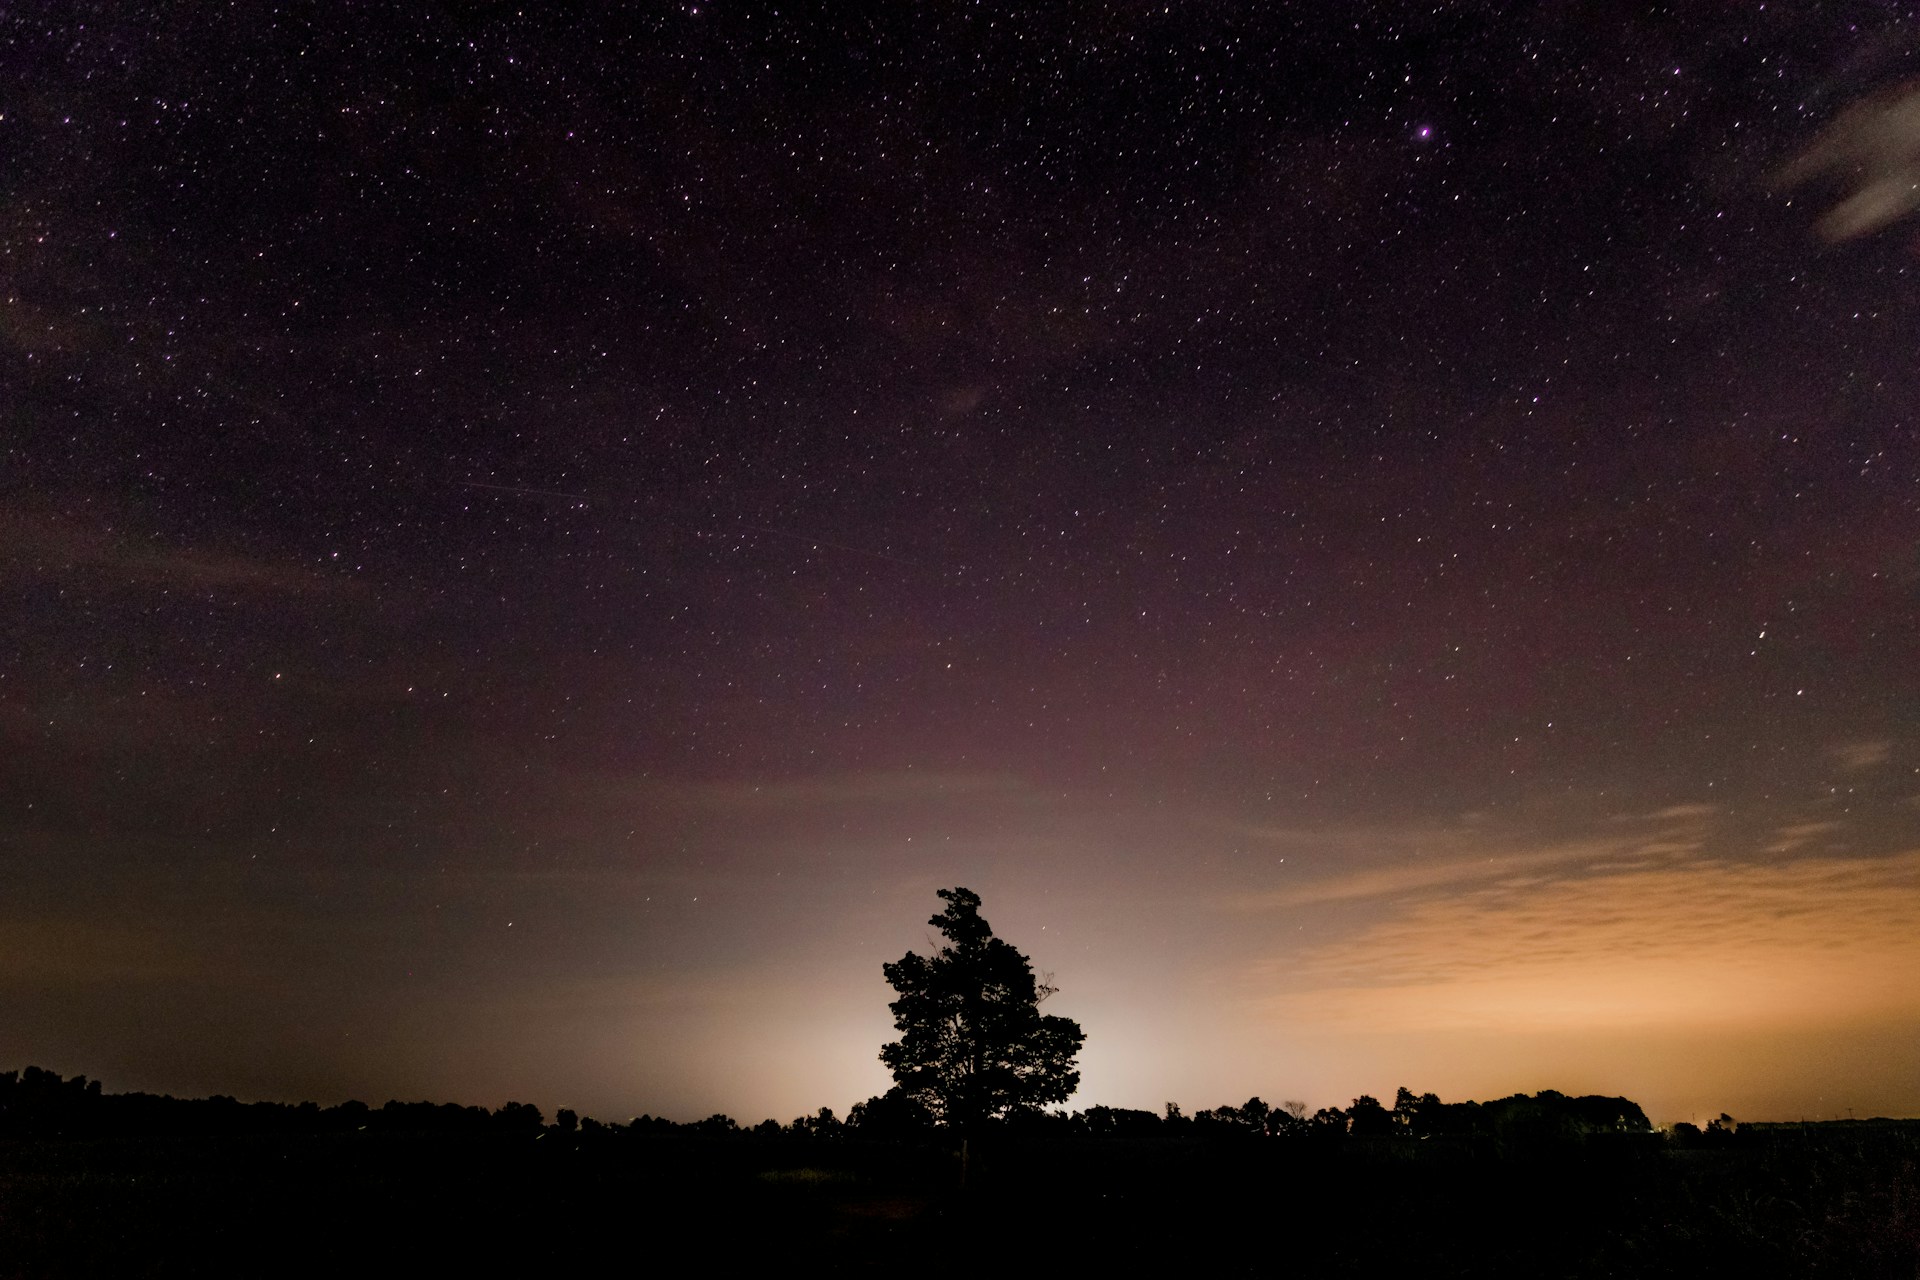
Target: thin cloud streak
(1811, 941)
(1396, 881)
(1400, 861)
(39, 545)
(1855, 756)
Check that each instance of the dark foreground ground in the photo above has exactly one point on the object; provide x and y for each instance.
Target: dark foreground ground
(1844, 1204)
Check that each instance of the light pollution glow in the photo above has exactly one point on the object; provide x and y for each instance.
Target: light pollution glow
(1670, 956)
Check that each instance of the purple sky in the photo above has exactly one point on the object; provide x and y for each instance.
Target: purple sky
(1385, 550)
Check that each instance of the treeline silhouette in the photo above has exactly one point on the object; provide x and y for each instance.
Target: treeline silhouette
(1416, 1117)
(38, 1103)
(137, 1184)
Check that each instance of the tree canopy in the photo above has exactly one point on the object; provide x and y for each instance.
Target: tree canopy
(974, 1045)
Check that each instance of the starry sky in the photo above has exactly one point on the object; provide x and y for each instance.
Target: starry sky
(1383, 541)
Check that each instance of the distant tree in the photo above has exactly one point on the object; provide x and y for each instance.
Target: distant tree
(566, 1120)
(519, 1116)
(353, 1114)
(1328, 1123)
(651, 1124)
(1366, 1118)
(1288, 1120)
(1599, 1114)
(1120, 1122)
(894, 1116)
(822, 1124)
(1032, 1122)
(1418, 1116)
(38, 1102)
(1548, 1117)
(974, 1045)
(1255, 1118)
(1414, 1115)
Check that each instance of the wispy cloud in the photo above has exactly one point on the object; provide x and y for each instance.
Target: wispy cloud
(39, 544)
(1357, 863)
(1873, 148)
(1862, 755)
(1704, 943)
(1400, 880)
(1796, 834)
(1676, 813)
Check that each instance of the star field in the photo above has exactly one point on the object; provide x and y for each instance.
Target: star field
(1273, 500)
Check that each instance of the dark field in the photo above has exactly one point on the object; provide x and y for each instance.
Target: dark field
(1828, 1201)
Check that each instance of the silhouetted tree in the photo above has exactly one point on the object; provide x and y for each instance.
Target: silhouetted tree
(1615, 1115)
(892, 1116)
(822, 1124)
(519, 1117)
(651, 1125)
(1254, 1119)
(1366, 1118)
(974, 1044)
(1288, 1120)
(38, 1102)
(1121, 1122)
(1328, 1124)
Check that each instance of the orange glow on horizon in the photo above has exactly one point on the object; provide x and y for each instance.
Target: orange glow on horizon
(1704, 944)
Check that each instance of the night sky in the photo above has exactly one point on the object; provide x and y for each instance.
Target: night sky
(1384, 542)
